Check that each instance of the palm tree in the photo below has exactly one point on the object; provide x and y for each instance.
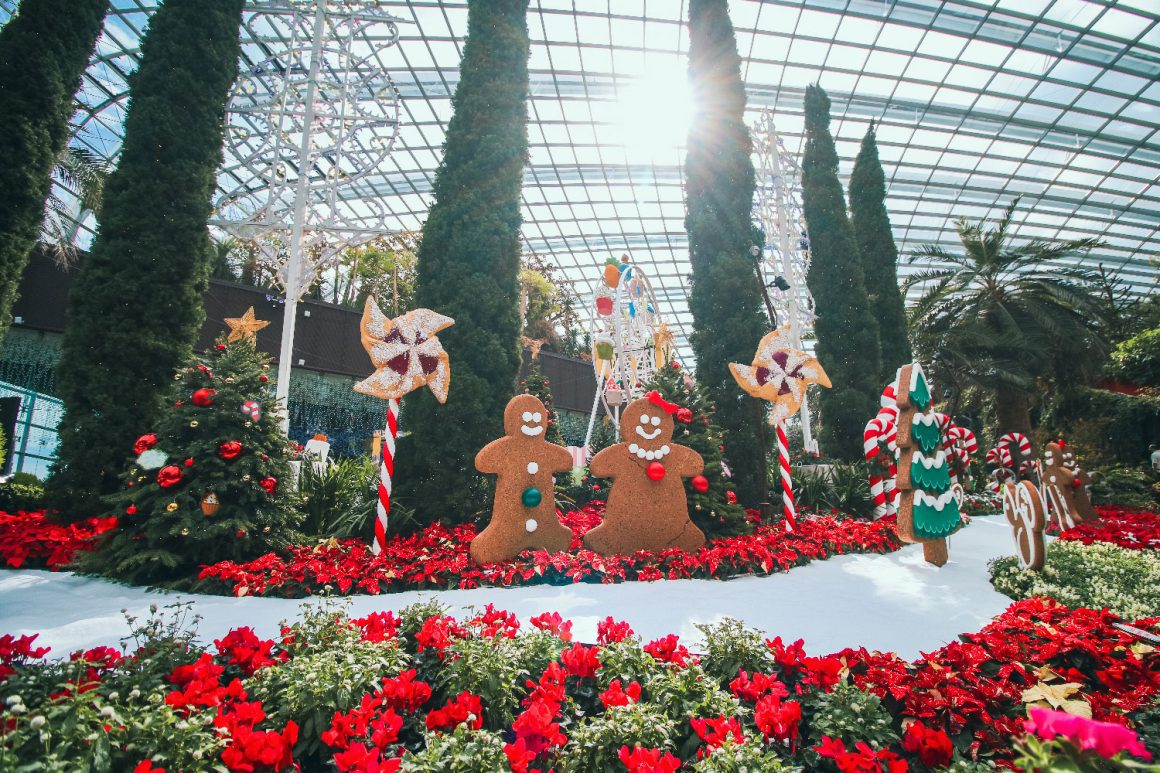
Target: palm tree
(83, 173)
(1000, 316)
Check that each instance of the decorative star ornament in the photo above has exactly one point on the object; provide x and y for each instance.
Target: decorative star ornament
(779, 374)
(405, 352)
(245, 326)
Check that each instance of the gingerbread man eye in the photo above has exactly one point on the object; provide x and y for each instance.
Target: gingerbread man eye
(537, 416)
(644, 419)
(656, 421)
(527, 416)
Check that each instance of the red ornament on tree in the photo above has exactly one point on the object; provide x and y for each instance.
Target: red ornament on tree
(684, 415)
(731, 497)
(230, 449)
(700, 483)
(655, 471)
(268, 484)
(168, 476)
(203, 397)
(131, 510)
(189, 462)
(263, 378)
(144, 443)
(221, 347)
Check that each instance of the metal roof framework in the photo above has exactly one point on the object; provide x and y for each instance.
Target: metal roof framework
(976, 103)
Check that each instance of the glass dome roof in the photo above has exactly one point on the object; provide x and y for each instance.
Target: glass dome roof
(1054, 101)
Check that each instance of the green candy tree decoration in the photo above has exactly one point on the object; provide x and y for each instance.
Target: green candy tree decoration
(211, 483)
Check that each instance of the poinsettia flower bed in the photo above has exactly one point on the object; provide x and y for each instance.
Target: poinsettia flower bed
(1123, 526)
(28, 540)
(423, 691)
(437, 558)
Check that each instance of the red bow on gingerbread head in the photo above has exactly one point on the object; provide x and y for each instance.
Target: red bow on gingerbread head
(655, 398)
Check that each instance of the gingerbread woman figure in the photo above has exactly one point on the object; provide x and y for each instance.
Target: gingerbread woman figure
(1065, 487)
(524, 513)
(646, 509)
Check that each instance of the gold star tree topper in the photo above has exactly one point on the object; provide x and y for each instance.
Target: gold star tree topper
(406, 353)
(245, 326)
(779, 374)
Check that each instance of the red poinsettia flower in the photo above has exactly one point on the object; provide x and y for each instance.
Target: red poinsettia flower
(933, 747)
(169, 476)
(143, 444)
(231, 449)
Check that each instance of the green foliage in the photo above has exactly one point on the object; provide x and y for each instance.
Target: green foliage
(23, 491)
(847, 332)
(844, 489)
(496, 669)
(1147, 722)
(468, 266)
(1125, 486)
(136, 306)
(732, 646)
(593, 745)
(749, 757)
(548, 306)
(1106, 428)
(538, 385)
(164, 535)
(626, 661)
(1096, 576)
(871, 224)
(460, 751)
(725, 299)
(686, 692)
(1137, 360)
(710, 510)
(851, 715)
(340, 500)
(587, 487)
(44, 48)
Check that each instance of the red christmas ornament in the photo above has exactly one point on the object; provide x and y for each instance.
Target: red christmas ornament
(203, 397)
(178, 404)
(700, 483)
(268, 484)
(189, 462)
(684, 415)
(230, 449)
(263, 378)
(221, 347)
(168, 476)
(596, 488)
(655, 471)
(144, 443)
(131, 510)
(676, 365)
(265, 458)
(1076, 482)
(731, 497)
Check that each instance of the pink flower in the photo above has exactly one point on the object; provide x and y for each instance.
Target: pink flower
(1106, 738)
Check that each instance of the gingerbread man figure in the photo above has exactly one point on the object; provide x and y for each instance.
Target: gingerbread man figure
(524, 513)
(646, 502)
(1065, 487)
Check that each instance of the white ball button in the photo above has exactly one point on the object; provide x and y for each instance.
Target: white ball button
(531, 525)
(533, 468)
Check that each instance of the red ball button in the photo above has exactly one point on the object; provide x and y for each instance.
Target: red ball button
(655, 471)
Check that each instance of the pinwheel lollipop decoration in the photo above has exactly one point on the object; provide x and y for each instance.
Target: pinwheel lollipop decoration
(407, 355)
(780, 374)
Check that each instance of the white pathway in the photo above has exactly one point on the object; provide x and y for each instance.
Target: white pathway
(893, 603)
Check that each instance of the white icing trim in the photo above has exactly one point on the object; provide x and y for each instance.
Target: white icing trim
(926, 500)
(641, 453)
(939, 459)
(915, 369)
(924, 418)
(648, 435)
(531, 431)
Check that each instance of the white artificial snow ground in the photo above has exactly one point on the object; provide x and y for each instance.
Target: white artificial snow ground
(895, 602)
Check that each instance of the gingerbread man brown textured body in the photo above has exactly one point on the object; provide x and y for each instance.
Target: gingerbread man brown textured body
(645, 511)
(1065, 488)
(524, 513)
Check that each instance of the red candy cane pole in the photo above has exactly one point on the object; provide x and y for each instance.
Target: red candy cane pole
(386, 472)
(786, 483)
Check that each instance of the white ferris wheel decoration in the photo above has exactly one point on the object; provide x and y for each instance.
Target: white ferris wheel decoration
(786, 263)
(629, 340)
(305, 126)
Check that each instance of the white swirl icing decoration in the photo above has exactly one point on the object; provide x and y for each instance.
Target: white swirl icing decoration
(938, 460)
(938, 503)
(926, 419)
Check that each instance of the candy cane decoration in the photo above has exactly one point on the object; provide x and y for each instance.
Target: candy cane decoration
(786, 483)
(386, 472)
(881, 429)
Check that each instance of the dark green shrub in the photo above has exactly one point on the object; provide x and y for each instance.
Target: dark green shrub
(22, 491)
(1137, 360)
(340, 501)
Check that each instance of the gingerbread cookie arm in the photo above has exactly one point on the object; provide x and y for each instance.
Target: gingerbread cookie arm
(686, 462)
(604, 463)
(490, 457)
(559, 460)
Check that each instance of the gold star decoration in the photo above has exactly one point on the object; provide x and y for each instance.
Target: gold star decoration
(406, 353)
(245, 326)
(779, 374)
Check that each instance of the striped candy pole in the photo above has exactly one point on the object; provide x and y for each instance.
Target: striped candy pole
(786, 483)
(883, 490)
(386, 472)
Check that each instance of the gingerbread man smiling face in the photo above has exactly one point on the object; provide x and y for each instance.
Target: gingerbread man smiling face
(646, 509)
(524, 513)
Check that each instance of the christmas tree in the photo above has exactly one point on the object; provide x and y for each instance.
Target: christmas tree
(537, 385)
(211, 482)
(590, 488)
(712, 500)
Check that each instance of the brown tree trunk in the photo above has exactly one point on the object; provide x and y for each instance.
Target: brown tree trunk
(1013, 411)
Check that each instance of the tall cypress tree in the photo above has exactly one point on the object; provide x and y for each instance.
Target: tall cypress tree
(43, 52)
(468, 267)
(135, 309)
(847, 332)
(879, 255)
(725, 300)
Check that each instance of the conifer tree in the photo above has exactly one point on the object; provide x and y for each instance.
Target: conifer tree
(879, 255)
(846, 330)
(43, 52)
(136, 306)
(725, 299)
(211, 482)
(714, 510)
(538, 385)
(468, 268)
(590, 488)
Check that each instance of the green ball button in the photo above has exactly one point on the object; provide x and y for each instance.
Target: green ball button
(532, 497)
